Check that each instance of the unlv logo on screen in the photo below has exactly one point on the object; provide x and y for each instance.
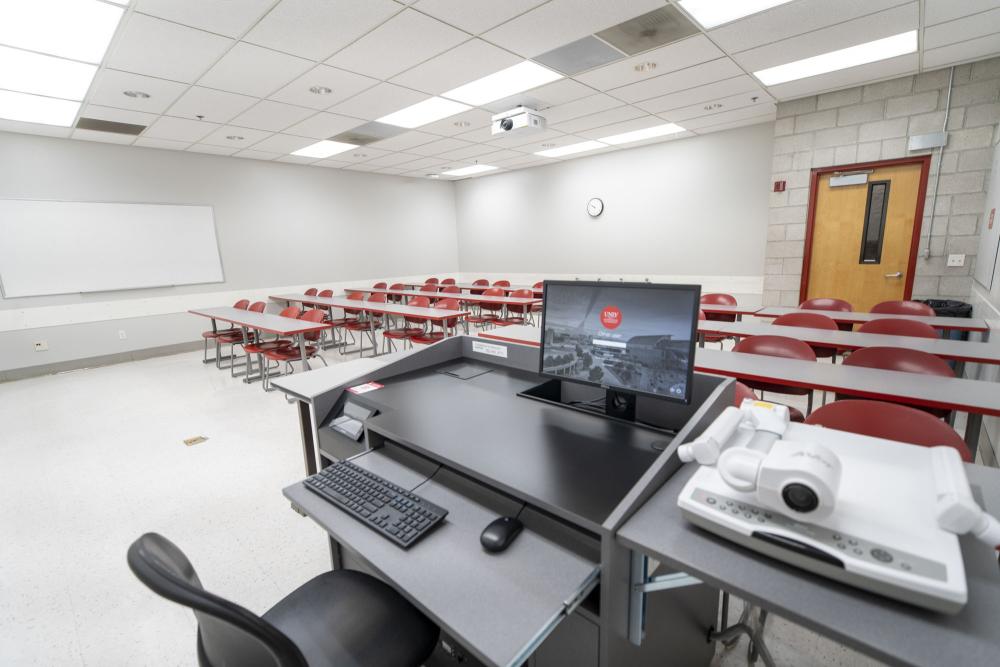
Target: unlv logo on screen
(611, 317)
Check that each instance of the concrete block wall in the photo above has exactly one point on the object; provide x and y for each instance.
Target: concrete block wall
(874, 122)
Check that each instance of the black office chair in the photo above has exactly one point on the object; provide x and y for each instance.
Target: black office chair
(341, 618)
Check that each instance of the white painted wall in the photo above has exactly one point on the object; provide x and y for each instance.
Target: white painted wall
(692, 208)
(278, 224)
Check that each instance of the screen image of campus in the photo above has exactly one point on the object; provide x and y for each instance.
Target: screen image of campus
(633, 338)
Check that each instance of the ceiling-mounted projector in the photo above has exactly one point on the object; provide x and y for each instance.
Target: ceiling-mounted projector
(519, 120)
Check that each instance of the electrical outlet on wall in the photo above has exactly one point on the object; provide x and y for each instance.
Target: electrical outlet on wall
(956, 260)
(41, 345)
(121, 334)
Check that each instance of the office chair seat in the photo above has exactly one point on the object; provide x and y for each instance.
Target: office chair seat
(337, 619)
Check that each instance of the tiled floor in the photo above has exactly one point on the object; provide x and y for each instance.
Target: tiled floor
(93, 458)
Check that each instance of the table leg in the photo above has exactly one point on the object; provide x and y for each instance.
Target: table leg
(371, 328)
(302, 351)
(973, 426)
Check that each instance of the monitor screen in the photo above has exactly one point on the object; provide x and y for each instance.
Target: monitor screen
(632, 337)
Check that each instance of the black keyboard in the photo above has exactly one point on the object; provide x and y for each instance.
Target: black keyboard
(394, 512)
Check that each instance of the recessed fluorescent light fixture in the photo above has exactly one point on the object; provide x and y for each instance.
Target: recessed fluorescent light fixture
(522, 76)
(421, 113)
(869, 52)
(710, 13)
(27, 72)
(639, 135)
(581, 147)
(322, 149)
(77, 29)
(469, 171)
(37, 109)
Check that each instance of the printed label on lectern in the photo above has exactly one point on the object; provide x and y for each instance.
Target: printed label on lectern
(365, 388)
(490, 349)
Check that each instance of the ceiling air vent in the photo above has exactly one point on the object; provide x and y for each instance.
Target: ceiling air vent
(109, 126)
(368, 133)
(658, 27)
(583, 54)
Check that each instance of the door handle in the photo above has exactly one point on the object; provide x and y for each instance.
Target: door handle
(897, 274)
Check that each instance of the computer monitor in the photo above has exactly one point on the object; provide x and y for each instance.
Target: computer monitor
(634, 338)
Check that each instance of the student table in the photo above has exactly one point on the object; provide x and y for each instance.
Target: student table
(469, 286)
(722, 309)
(948, 323)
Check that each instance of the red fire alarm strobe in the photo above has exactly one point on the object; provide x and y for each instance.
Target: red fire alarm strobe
(779, 186)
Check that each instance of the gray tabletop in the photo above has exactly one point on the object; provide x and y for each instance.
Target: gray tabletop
(283, 326)
(494, 604)
(959, 350)
(389, 308)
(891, 631)
(470, 286)
(933, 391)
(468, 298)
(958, 323)
(723, 309)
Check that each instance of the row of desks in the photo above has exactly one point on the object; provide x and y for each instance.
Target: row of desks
(468, 287)
(466, 298)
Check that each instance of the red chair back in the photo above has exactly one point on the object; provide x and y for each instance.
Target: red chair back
(502, 283)
(257, 307)
(311, 291)
(433, 281)
(719, 299)
(429, 287)
(539, 285)
(900, 359)
(417, 302)
(810, 321)
(776, 346)
(521, 294)
(701, 314)
(448, 304)
(242, 304)
(396, 298)
(894, 327)
(479, 281)
(291, 311)
(826, 303)
(903, 308)
(889, 421)
(326, 294)
(489, 305)
(451, 289)
(448, 281)
(377, 298)
(354, 296)
(315, 316)
(379, 285)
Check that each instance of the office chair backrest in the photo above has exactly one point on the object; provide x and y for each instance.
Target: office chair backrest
(502, 283)
(903, 308)
(326, 294)
(826, 303)
(719, 299)
(257, 307)
(228, 634)
(897, 327)
(431, 280)
(448, 281)
(448, 304)
(380, 285)
(312, 291)
(776, 346)
(242, 304)
(429, 287)
(451, 289)
(314, 316)
(807, 320)
(291, 311)
(900, 359)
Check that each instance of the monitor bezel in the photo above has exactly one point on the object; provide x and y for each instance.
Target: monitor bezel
(688, 386)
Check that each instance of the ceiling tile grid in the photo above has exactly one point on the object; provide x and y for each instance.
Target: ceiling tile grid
(260, 79)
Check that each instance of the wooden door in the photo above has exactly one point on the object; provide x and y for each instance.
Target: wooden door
(862, 241)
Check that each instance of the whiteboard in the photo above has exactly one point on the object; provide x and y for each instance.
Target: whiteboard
(57, 247)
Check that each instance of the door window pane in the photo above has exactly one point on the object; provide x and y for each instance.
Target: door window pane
(871, 237)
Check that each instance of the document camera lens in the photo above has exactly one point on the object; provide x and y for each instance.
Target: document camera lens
(506, 124)
(800, 497)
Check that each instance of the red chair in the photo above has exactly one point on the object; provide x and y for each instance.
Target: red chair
(292, 352)
(448, 281)
(235, 337)
(311, 291)
(326, 294)
(480, 281)
(778, 346)
(718, 299)
(903, 308)
(502, 283)
(350, 315)
(432, 336)
(405, 333)
(904, 360)
(368, 324)
(827, 303)
(518, 313)
(744, 392)
(430, 288)
(811, 321)
(433, 281)
(396, 298)
(489, 311)
(537, 287)
(213, 335)
(380, 285)
(450, 289)
(259, 345)
(893, 327)
(889, 421)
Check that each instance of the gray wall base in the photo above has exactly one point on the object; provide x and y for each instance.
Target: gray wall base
(93, 362)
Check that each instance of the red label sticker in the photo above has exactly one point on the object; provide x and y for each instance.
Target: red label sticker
(365, 388)
(611, 317)
(993, 213)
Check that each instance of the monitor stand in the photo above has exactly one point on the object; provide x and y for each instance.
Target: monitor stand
(607, 403)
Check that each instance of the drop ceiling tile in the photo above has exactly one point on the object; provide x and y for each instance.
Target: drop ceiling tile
(408, 37)
(525, 161)
(970, 27)
(223, 17)
(214, 105)
(424, 163)
(685, 53)
(220, 137)
(714, 70)
(600, 119)
(167, 144)
(640, 123)
(109, 86)
(460, 123)
(789, 20)
(581, 107)
(406, 141)
(475, 16)
(479, 135)
(282, 143)
(154, 47)
(973, 49)
(273, 116)
(706, 93)
(361, 167)
(726, 104)
(756, 120)
(562, 21)
(939, 11)
(379, 101)
(179, 129)
(117, 115)
(845, 78)
(106, 137)
(849, 33)
(497, 156)
(212, 150)
(543, 97)
(316, 29)
(467, 62)
(332, 164)
(725, 117)
(341, 83)
(468, 152)
(528, 142)
(392, 159)
(324, 125)
(34, 128)
(252, 70)
(296, 159)
(257, 155)
(392, 171)
(440, 146)
(361, 154)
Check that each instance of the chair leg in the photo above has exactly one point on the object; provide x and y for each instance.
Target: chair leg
(809, 403)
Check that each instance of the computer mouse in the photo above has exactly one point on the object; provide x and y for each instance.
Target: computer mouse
(500, 533)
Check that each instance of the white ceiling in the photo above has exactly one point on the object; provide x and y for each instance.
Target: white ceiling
(217, 69)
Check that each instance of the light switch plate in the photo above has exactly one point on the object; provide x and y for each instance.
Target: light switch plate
(956, 260)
